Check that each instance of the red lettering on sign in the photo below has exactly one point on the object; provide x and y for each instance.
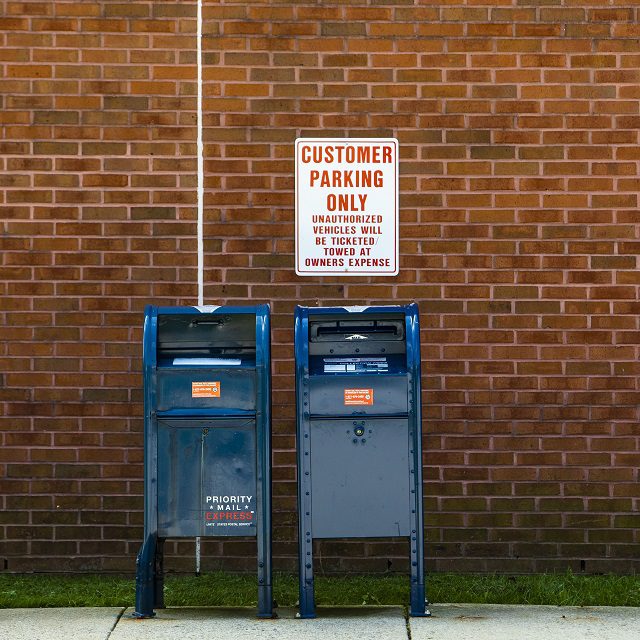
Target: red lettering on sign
(228, 515)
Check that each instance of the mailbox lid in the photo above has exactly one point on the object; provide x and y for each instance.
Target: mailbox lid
(218, 333)
(207, 477)
(345, 395)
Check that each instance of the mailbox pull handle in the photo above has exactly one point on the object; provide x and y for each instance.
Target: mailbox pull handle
(214, 321)
(341, 329)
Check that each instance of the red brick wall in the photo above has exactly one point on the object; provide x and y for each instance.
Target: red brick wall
(518, 126)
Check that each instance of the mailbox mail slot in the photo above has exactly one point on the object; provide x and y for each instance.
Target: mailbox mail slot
(207, 436)
(359, 433)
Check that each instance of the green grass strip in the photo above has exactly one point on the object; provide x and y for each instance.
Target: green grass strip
(232, 590)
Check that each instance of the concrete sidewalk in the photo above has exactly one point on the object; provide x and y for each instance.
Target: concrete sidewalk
(518, 622)
(449, 622)
(83, 623)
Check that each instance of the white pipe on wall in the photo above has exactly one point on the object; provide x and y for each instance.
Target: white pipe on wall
(200, 152)
(200, 195)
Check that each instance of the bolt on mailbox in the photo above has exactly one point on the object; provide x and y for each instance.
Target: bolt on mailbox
(359, 448)
(207, 396)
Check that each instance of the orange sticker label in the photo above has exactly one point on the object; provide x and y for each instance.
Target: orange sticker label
(358, 397)
(205, 389)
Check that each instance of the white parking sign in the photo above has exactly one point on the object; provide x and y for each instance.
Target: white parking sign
(346, 206)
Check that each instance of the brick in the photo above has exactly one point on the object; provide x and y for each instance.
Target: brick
(29, 71)
(518, 239)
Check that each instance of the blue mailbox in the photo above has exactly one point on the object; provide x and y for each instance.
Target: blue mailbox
(207, 436)
(359, 451)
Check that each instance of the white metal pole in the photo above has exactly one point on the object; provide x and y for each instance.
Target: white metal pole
(200, 152)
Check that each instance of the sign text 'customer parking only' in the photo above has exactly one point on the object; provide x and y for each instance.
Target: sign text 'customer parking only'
(347, 206)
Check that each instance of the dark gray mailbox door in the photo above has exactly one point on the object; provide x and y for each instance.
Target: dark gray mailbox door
(207, 391)
(206, 478)
(359, 433)
(360, 484)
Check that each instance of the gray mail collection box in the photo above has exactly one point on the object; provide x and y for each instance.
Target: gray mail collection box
(359, 433)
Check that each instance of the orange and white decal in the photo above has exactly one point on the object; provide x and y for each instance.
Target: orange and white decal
(358, 397)
(205, 389)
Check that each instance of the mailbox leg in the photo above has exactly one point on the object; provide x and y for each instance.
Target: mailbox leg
(418, 600)
(145, 579)
(305, 531)
(265, 589)
(418, 595)
(307, 597)
(305, 546)
(158, 582)
(265, 601)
